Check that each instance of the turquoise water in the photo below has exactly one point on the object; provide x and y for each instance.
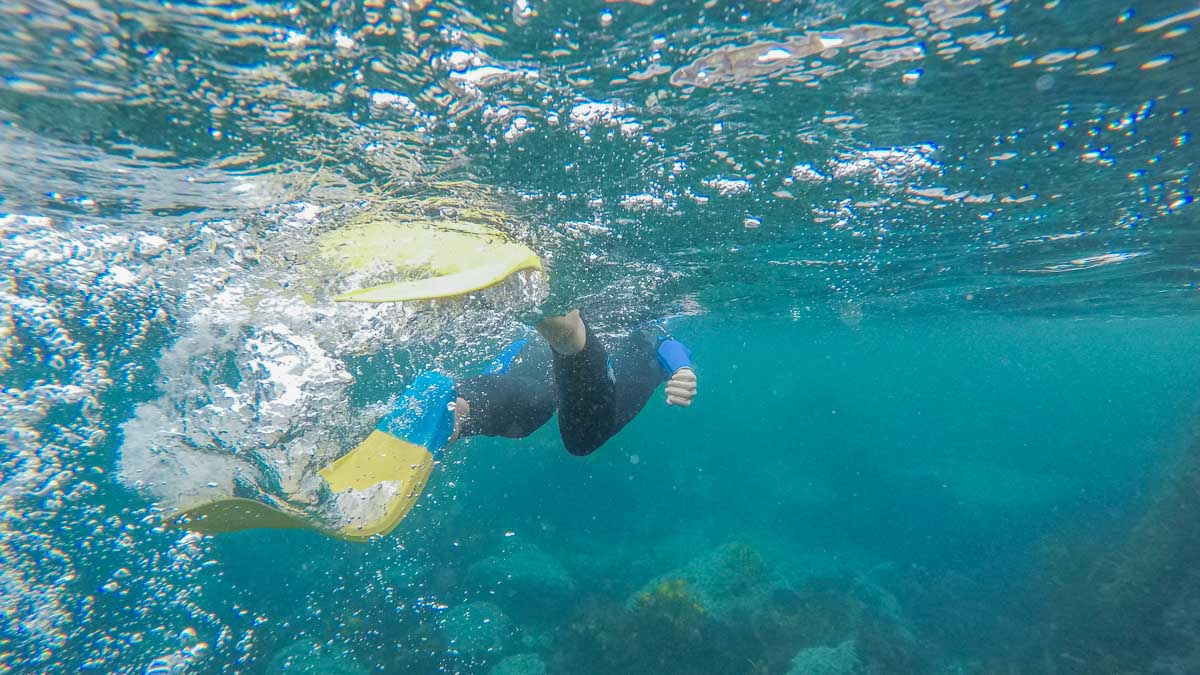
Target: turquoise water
(937, 262)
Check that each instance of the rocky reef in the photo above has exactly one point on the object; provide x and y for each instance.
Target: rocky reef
(531, 585)
(726, 583)
(307, 657)
(517, 609)
(841, 659)
(1123, 596)
(728, 611)
(476, 632)
(520, 664)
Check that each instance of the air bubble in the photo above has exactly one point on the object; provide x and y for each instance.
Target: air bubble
(522, 12)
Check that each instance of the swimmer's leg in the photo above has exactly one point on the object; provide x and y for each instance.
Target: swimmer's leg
(511, 400)
(566, 334)
(584, 383)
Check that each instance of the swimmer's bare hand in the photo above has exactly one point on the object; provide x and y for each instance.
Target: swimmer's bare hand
(681, 388)
(461, 410)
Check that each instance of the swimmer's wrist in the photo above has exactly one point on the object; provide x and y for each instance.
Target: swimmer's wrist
(673, 356)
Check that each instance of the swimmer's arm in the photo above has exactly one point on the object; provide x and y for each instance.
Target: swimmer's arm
(676, 358)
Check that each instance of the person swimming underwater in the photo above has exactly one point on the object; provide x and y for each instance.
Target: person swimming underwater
(596, 392)
(597, 385)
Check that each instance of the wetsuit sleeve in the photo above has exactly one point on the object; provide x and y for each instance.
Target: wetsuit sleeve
(639, 374)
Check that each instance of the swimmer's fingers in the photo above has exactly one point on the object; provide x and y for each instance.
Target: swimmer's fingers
(684, 374)
(681, 388)
(681, 402)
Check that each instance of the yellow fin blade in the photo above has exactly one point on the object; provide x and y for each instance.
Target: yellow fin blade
(446, 286)
(232, 514)
(433, 259)
(381, 458)
(387, 472)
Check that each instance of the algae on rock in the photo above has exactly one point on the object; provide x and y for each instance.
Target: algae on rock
(727, 583)
(839, 660)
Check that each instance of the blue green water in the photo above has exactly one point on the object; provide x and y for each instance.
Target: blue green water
(937, 262)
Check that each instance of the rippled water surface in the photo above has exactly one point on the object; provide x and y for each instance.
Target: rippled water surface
(939, 260)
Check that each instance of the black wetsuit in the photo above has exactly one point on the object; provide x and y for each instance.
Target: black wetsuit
(595, 391)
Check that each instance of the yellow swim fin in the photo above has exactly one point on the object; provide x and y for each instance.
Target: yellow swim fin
(374, 485)
(231, 514)
(386, 462)
(432, 259)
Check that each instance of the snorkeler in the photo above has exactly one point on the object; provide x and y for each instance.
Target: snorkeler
(595, 393)
(369, 489)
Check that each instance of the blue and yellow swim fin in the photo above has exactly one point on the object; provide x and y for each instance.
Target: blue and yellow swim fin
(432, 259)
(383, 475)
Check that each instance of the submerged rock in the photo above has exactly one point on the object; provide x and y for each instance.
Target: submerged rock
(476, 630)
(307, 657)
(1181, 619)
(728, 582)
(521, 664)
(727, 611)
(526, 581)
(840, 660)
(535, 640)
